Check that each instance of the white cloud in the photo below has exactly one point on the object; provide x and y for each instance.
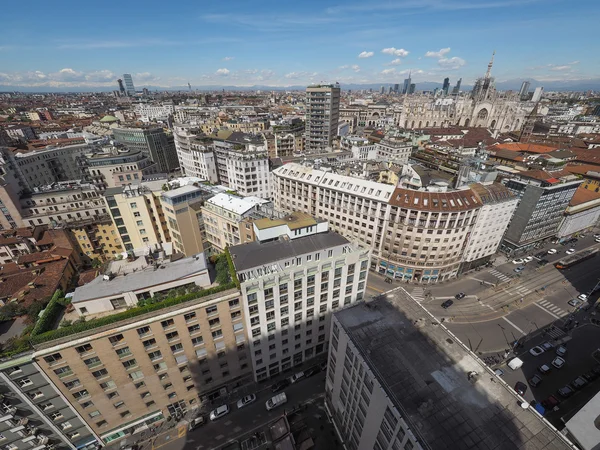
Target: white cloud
(354, 67)
(70, 78)
(302, 74)
(388, 71)
(411, 71)
(561, 68)
(365, 54)
(451, 63)
(395, 51)
(228, 58)
(572, 63)
(223, 72)
(395, 62)
(439, 54)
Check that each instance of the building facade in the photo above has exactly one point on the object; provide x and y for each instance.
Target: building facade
(119, 167)
(322, 116)
(196, 155)
(153, 142)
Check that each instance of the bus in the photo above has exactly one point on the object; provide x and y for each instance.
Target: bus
(576, 258)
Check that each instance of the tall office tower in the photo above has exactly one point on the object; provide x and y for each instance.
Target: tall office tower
(411, 90)
(292, 278)
(121, 87)
(456, 88)
(524, 90)
(130, 88)
(396, 88)
(406, 88)
(390, 89)
(382, 90)
(446, 85)
(537, 94)
(322, 116)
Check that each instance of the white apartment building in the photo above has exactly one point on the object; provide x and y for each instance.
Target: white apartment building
(290, 286)
(147, 112)
(394, 150)
(196, 155)
(498, 207)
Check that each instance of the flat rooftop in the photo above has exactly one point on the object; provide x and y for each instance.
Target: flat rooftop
(424, 370)
(258, 254)
(139, 274)
(294, 221)
(238, 205)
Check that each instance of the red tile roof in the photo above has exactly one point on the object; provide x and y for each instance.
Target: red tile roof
(590, 156)
(583, 195)
(528, 148)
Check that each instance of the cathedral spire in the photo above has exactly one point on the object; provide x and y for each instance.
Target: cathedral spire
(490, 64)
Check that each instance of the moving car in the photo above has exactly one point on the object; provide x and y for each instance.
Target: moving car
(459, 295)
(246, 400)
(276, 401)
(536, 351)
(447, 304)
(519, 269)
(561, 350)
(221, 411)
(552, 251)
(570, 251)
(575, 302)
(518, 261)
(196, 422)
(578, 383)
(534, 380)
(296, 377)
(565, 392)
(280, 385)
(545, 368)
(558, 362)
(520, 388)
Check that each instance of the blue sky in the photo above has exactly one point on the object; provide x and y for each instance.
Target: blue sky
(87, 44)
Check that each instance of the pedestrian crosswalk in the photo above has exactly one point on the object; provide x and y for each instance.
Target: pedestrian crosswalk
(555, 333)
(545, 304)
(418, 294)
(499, 275)
(522, 291)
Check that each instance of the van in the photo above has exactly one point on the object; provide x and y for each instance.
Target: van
(515, 363)
(276, 401)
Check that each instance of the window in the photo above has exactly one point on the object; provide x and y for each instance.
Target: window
(84, 348)
(177, 348)
(197, 341)
(94, 414)
(160, 366)
(129, 363)
(66, 425)
(125, 414)
(47, 406)
(119, 405)
(101, 424)
(194, 329)
(189, 317)
(144, 331)
(123, 352)
(81, 394)
(149, 343)
(24, 382)
(87, 404)
(155, 355)
(93, 362)
(51, 359)
(108, 385)
(217, 334)
(167, 323)
(139, 384)
(117, 339)
(214, 322)
(172, 336)
(56, 416)
(112, 395)
(100, 373)
(211, 310)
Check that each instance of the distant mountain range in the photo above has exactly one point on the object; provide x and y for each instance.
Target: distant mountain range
(515, 85)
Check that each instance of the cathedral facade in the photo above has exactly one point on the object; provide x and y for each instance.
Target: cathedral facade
(482, 107)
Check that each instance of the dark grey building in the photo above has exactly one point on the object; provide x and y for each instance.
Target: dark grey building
(446, 85)
(322, 116)
(34, 415)
(154, 143)
(543, 200)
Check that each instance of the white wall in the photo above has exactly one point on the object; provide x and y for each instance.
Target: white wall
(577, 222)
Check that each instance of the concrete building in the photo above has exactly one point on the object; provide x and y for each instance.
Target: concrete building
(582, 213)
(149, 112)
(223, 215)
(498, 207)
(34, 414)
(119, 166)
(537, 94)
(196, 154)
(127, 282)
(97, 238)
(153, 142)
(137, 213)
(524, 91)
(129, 87)
(393, 381)
(130, 374)
(291, 285)
(322, 116)
(543, 199)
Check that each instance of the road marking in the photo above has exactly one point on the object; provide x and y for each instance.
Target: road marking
(181, 431)
(549, 312)
(374, 289)
(514, 326)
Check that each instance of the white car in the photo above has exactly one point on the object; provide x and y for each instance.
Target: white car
(518, 261)
(221, 411)
(528, 259)
(246, 400)
(536, 351)
(597, 240)
(552, 251)
(561, 350)
(558, 362)
(582, 297)
(570, 251)
(296, 377)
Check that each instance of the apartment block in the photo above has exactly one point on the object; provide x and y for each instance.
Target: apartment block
(322, 116)
(124, 377)
(398, 379)
(34, 414)
(97, 238)
(118, 167)
(153, 142)
(222, 216)
(137, 213)
(196, 154)
(291, 281)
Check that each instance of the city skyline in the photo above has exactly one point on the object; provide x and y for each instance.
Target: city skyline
(275, 46)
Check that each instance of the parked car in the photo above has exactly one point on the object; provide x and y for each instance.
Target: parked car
(543, 262)
(520, 388)
(528, 259)
(296, 377)
(499, 372)
(565, 392)
(545, 368)
(572, 240)
(246, 400)
(558, 362)
(547, 345)
(582, 297)
(597, 240)
(519, 269)
(534, 380)
(312, 371)
(280, 385)
(536, 351)
(459, 296)
(570, 251)
(221, 411)
(550, 402)
(575, 302)
(578, 383)
(590, 376)
(447, 304)
(518, 261)
(561, 350)
(196, 422)
(276, 401)
(540, 255)
(552, 251)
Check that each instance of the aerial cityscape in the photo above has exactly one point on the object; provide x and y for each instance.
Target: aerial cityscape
(313, 226)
